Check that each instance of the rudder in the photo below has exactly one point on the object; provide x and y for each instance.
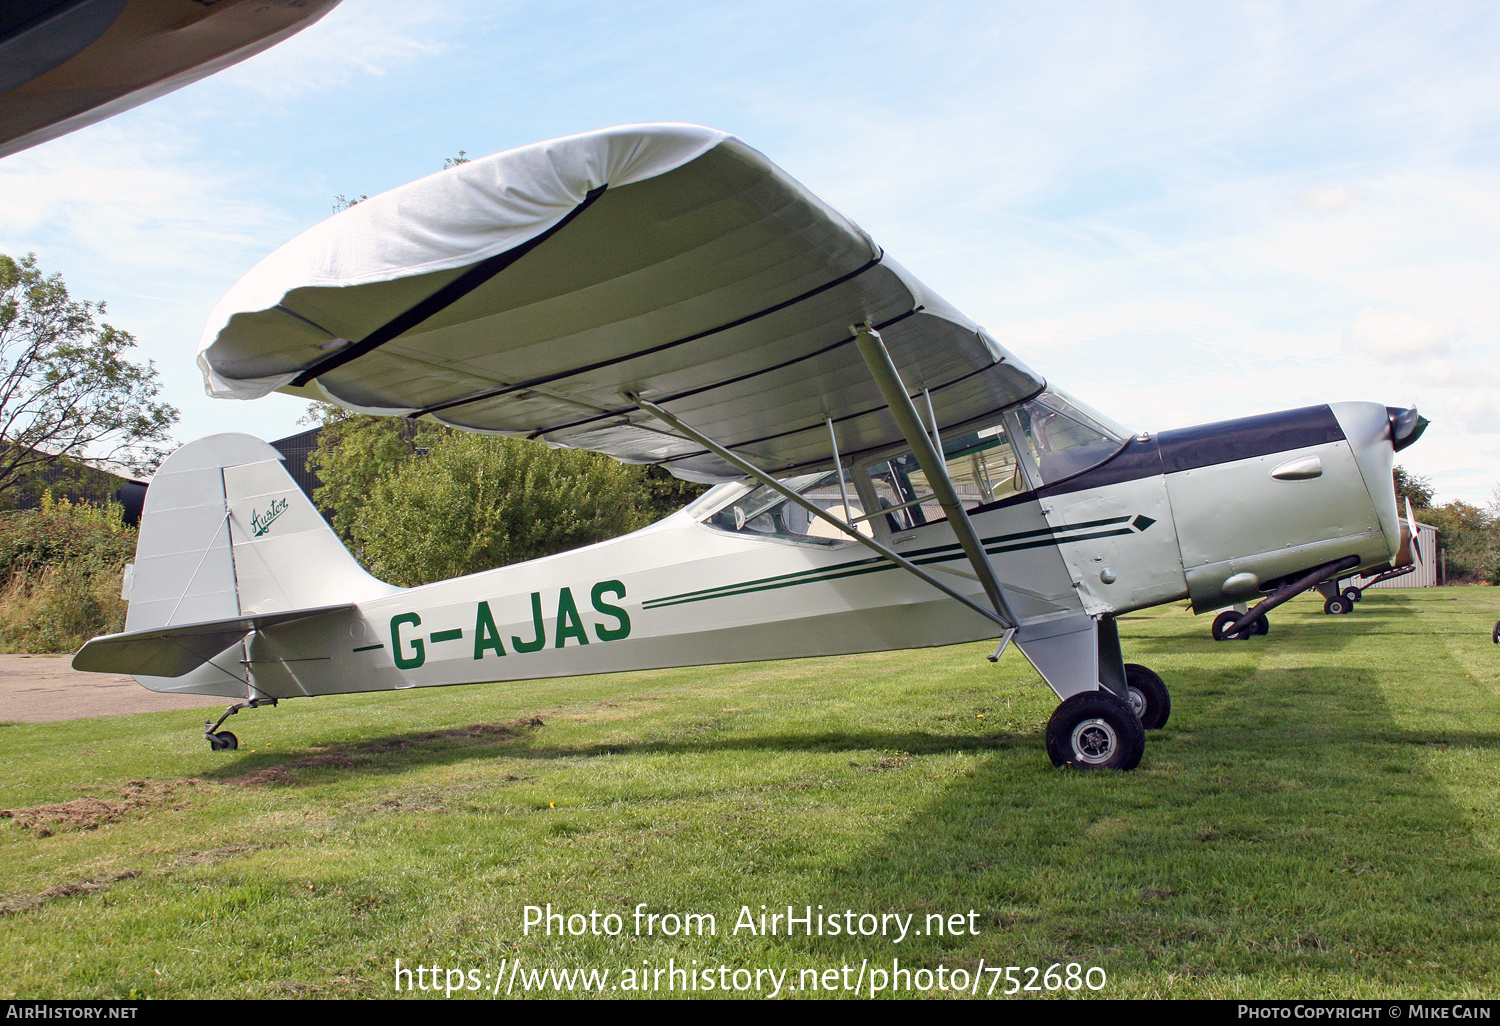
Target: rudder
(226, 532)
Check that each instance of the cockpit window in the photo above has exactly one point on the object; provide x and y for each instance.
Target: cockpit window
(1063, 437)
(763, 511)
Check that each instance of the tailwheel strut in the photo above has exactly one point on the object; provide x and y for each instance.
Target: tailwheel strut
(223, 740)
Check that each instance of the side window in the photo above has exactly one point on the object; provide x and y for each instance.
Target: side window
(982, 465)
(765, 511)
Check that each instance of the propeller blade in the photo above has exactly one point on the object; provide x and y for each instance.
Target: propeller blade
(1411, 525)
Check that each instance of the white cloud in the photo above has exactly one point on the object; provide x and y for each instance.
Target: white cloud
(1328, 199)
(357, 38)
(1395, 336)
(145, 198)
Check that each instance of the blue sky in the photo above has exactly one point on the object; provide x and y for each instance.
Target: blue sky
(1179, 211)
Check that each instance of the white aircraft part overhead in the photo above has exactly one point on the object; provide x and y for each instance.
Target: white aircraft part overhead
(527, 292)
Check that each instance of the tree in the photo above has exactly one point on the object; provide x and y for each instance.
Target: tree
(355, 452)
(476, 502)
(420, 502)
(67, 389)
(1471, 537)
(1410, 486)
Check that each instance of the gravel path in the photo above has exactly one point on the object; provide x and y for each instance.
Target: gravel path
(45, 688)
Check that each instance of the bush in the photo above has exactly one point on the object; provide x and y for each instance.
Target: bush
(61, 565)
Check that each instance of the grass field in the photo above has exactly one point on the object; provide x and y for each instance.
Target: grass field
(1319, 819)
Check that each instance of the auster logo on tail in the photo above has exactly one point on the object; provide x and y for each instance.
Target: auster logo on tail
(261, 524)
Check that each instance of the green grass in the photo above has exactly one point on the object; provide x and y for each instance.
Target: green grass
(1318, 819)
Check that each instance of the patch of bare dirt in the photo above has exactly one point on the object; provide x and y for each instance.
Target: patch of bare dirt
(890, 762)
(14, 903)
(214, 856)
(91, 812)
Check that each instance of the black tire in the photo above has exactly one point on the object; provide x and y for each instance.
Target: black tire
(223, 741)
(1336, 605)
(1224, 621)
(1352, 595)
(1149, 697)
(1496, 636)
(1261, 627)
(1095, 730)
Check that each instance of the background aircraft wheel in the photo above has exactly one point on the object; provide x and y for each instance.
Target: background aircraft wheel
(1337, 604)
(1095, 730)
(223, 741)
(1224, 621)
(1352, 595)
(1148, 696)
(1496, 635)
(1261, 626)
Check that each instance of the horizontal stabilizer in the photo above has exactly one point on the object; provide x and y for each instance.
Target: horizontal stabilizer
(179, 649)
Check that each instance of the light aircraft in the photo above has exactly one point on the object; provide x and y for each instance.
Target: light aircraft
(889, 476)
(65, 64)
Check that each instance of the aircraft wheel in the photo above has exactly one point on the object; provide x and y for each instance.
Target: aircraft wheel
(1496, 635)
(1261, 626)
(1095, 730)
(1149, 698)
(223, 741)
(1337, 604)
(1224, 621)
(1352, 595)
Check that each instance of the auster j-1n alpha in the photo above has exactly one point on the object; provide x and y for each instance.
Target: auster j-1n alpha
(889, 476)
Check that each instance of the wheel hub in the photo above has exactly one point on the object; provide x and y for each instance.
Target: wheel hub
(1094, 741)
(1137, 703)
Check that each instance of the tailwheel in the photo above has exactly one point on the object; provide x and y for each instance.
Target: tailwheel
(223, 741)
(1149, 698)
(1095, 730)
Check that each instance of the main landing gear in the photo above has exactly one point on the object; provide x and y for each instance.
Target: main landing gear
(1095, 730)
(1234, 624)
(1107, 703)
(1224, 623)
(1337, 600)
(1099, 730)
(223, 740)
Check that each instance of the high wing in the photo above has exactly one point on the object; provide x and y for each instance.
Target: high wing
(65, 64)
(529, 292)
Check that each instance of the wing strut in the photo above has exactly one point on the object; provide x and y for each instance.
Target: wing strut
(878, 358)
(816, 510)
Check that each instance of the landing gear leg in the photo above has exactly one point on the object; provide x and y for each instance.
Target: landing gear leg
(223, 740)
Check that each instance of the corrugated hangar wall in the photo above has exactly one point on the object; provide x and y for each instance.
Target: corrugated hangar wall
(1426, 573)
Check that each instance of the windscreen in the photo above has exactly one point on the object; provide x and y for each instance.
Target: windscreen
(1063, 437)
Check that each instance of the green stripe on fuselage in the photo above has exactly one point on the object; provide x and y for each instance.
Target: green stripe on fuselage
(876, 564)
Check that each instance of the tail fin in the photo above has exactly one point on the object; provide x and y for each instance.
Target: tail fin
(227, 533)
